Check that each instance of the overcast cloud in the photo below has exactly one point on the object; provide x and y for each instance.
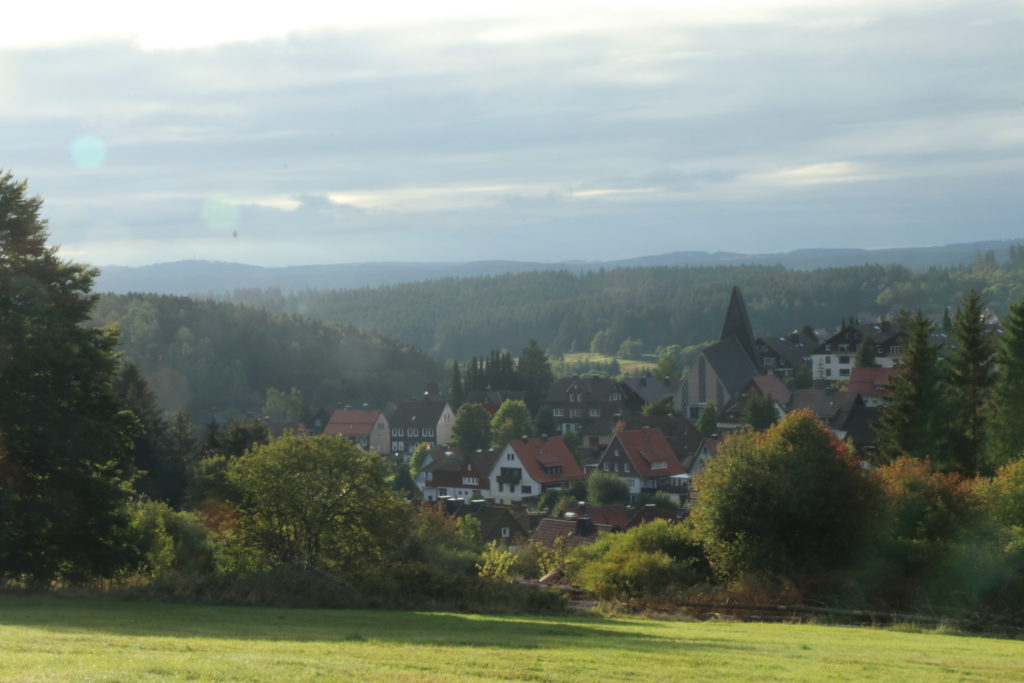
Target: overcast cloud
(852, 125)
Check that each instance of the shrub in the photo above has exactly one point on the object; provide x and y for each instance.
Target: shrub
(790, 502)
(652, 559)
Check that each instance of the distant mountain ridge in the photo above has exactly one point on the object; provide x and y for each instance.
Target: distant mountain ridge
(210, 277)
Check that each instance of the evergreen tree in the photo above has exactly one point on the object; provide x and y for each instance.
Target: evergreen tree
(865, 357)
(912, 421)
(1006, 408)
(970, 383)
(65, 468)
(947, 321)
(535, 375)
(707, 423)
(456, 392)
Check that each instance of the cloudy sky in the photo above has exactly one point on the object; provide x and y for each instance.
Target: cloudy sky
(312, 134)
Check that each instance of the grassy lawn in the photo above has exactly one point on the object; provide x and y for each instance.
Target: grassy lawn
(45, 638)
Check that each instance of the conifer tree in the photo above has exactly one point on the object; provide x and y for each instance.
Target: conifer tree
(1006, 407)
(707, 423)
(456, 392)
(912, 418)
(970, 383)
(65, 470)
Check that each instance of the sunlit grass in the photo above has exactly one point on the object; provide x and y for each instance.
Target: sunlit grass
(45, 638)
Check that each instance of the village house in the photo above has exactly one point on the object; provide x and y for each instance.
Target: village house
(784, 355)
(419, 421)
(491, 399)
(528, 466)
(578, 401)
(873, 384)
(365, 427)
(833, 358)
(646, 462)
(455, 475)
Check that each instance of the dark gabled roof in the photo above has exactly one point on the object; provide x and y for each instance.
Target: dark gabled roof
(860, 427)
(882, 333)
(494, 396)
(795, 348)
(651, 389)
(731, 363)
(832, 407)
(418, 412)
(568, 532)
(737, 325)
(594, 389)
(484, 461)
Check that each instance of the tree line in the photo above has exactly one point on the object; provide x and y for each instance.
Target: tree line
(645, 307)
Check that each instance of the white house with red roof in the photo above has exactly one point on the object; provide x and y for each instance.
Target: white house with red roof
(368, 428)
(528, 466)
(458, 476)
(645, 460)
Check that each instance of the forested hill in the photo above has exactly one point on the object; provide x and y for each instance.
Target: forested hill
(191, 278)
(220, 358)
(563, 311)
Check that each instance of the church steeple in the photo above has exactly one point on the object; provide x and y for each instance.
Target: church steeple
(737, 324)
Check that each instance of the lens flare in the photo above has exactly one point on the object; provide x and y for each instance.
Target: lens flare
(219, 213)
(88, 151)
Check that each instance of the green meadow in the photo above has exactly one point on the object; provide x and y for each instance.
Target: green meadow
(48, 638)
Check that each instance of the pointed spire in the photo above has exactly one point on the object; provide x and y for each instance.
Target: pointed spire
(737, 324)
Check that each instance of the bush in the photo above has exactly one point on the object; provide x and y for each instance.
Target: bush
(790, 502)
(653, 559)
(167, 541)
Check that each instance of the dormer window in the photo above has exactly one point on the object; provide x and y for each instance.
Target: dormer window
(659, 465)
(615, 396)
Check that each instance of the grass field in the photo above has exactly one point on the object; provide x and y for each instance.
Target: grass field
(47, 638)
(626, 366)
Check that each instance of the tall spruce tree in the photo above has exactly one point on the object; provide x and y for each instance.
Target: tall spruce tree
(1006, 406)
(535, 375)
(65, 470)
(970, 384)
(912, 421)
(456, 390)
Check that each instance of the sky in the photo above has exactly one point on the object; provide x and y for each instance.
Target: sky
(316, 132)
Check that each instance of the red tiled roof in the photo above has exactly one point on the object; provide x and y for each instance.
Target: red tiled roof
(351, 422)
(541, 453)
(647, 449)
(872, 381)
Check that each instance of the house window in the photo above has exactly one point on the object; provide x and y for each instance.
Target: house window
(828, 347)
(470, 481)
(442, 492)
(659, 465)
(828, 360)
(895, 350)
(554, 469)
(844, 372)
(605, 467)
(506, 532)
(595, 412)
(413, 431)
(398, 446)
(694, 412)
(768, 361)
(576, 412)
(428, 431)
(527, 489)
(615, 396)
(430, 476)
(844, 359)
(397, 431)
(625, 467)
(559, 412)
(844, 347)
